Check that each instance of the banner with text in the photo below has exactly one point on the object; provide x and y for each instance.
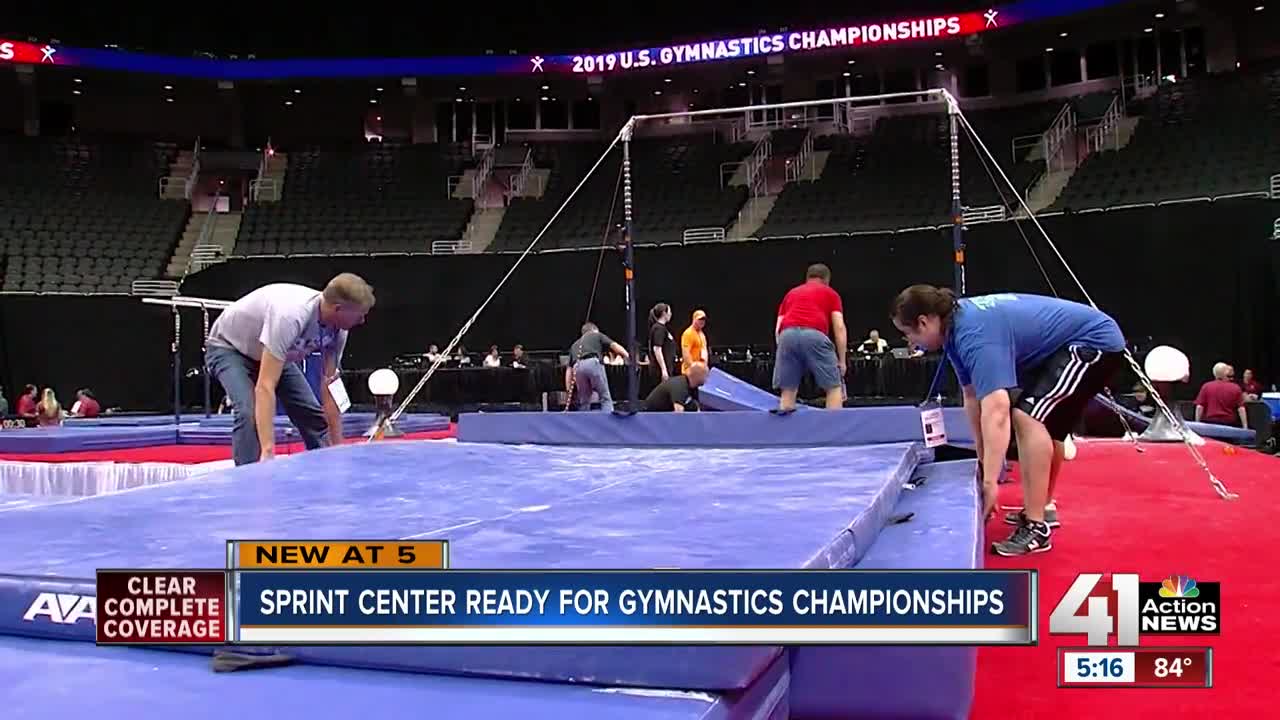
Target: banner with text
(625, 607)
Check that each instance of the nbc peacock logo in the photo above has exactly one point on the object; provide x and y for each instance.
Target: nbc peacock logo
(1178, 605)
(1179, 586)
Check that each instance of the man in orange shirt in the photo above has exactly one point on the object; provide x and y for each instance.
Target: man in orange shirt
(693, 343)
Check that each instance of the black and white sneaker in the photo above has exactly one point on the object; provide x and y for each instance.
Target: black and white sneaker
(1029, 538)
(1019, 518)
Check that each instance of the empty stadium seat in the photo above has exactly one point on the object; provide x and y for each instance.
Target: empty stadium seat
(1206, 137)
(374, 198)
(82, 216)
(676, 185)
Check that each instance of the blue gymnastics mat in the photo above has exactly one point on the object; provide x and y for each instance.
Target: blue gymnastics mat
(723, 391)
(824, 428)
(944, 532)
(500, 506)
(67, 680)
(78, 439)
(1234, 435)
(150, 430)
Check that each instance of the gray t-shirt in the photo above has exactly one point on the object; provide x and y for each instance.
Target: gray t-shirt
(284, 319)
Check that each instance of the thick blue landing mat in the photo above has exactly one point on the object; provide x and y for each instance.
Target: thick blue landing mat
(42, 680)
(866, 425)
(723, 391)
(924, 683)
(218, 432)
(1139, 422)
(88, 435)
(362, 419)
(79, 439)
(500, 506)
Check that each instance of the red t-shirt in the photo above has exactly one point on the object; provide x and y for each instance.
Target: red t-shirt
(809, 306)
(89, 408)
(1221, 401)
(26, 405)
(1253, 387)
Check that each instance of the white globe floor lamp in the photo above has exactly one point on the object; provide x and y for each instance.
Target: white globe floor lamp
(383, 385)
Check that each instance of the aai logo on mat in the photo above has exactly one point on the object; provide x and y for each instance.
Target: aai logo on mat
(1128, 608)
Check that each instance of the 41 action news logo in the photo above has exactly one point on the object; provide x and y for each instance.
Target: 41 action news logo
(1128, 607)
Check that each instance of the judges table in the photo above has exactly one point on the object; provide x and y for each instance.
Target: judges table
(868, 377)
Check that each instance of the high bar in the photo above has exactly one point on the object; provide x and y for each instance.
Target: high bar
(183, 301)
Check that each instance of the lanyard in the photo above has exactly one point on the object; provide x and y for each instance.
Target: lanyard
(937, 374)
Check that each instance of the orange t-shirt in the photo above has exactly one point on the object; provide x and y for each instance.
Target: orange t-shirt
(693, 348)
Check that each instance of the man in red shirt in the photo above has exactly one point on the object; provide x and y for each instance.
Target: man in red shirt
(26, 406)
(86, 405)
(810, 316)
(1221, 401)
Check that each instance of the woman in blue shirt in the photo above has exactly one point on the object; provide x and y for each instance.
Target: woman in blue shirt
(1029, 361)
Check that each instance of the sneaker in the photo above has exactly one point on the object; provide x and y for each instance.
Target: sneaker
(1019, 518)
(1029, 538)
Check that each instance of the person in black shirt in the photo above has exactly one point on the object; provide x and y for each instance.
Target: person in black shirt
(679, 392)
(588, 371)
(662, 344)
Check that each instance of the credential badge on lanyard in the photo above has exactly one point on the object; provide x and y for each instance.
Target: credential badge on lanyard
(931, 422)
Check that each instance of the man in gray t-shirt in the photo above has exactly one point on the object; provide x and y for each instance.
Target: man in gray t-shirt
(589, 375)
(254, 349)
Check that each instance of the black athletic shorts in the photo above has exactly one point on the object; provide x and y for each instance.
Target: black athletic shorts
(1057, 392)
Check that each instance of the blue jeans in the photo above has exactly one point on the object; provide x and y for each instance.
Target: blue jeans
(589, 376)
(802, 350)
(238, 375)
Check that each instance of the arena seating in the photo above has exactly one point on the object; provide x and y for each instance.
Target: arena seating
(379, 197)
(894, 177)
(898, 175)
(1206, 137)
(675, 181)
(83, 216)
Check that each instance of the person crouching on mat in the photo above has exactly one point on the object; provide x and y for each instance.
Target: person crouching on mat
(1028, 360)
(810, 316)
(587, 355)
(254, 349)
(678, 393)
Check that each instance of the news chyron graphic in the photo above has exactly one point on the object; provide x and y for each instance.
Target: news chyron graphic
(1129, 608)
(370, 592)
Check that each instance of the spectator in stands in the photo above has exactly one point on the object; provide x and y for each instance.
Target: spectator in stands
(254, 349)
(27, 401)
(874, 344)
(587, 355)
(693, 343)
(811, 338)
(86, 405)
(518, 359)
(4, 403)
(1025, 361)
(493, 359)
(662, 344)
(433, 352)
(679, 393)
(1251, 387)
(1221, 401)
(49, 410)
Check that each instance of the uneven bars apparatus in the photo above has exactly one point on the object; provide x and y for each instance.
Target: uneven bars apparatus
(176, 302)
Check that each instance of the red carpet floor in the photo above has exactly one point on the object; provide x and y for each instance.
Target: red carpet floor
(1153, 514)
(186, 454)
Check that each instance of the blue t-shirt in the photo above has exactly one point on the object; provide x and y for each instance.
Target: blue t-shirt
(995, 338)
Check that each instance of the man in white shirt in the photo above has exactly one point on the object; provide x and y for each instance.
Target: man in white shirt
(254, 349)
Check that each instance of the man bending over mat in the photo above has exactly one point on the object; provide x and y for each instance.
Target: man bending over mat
(678, 393)
(254, 350)
(1023, 359)
(810, 316)
(589, 374)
